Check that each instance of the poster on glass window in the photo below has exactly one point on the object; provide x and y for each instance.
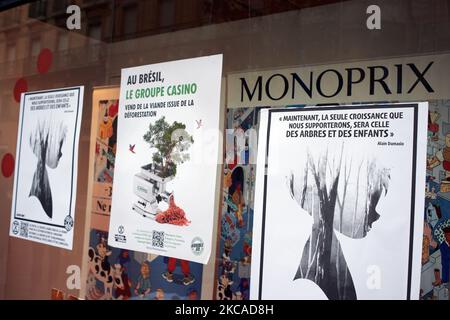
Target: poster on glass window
(163, 199)
(339, 203)
(45, 180)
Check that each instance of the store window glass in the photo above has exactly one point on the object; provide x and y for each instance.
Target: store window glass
(276, 55)
(63, 42)
(38, 9)
(11, 52)
(95, 32)
(130, 20)
(59, 6)
(167, 12)
(35, 47)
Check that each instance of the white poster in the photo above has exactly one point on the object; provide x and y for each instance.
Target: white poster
(339, 214)
(166, 161)
(45, 180)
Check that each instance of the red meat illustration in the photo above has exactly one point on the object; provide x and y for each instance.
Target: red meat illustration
(173, 215)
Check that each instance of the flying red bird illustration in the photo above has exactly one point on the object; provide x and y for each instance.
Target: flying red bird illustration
(131, 148)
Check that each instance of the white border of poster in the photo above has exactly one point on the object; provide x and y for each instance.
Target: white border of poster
(381, 259)
(163, 199)
(46, 166)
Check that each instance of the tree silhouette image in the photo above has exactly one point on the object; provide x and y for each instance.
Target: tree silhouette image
(341, 199)
(46, 141)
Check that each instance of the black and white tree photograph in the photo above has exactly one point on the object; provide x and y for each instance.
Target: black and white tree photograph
(337, 203)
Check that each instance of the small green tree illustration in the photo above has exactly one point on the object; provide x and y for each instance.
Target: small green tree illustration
(171, 142)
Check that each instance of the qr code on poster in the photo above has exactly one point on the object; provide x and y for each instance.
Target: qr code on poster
(158, 239)
(24, 229)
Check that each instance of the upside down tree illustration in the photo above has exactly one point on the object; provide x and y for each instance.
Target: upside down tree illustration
(341, 199)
